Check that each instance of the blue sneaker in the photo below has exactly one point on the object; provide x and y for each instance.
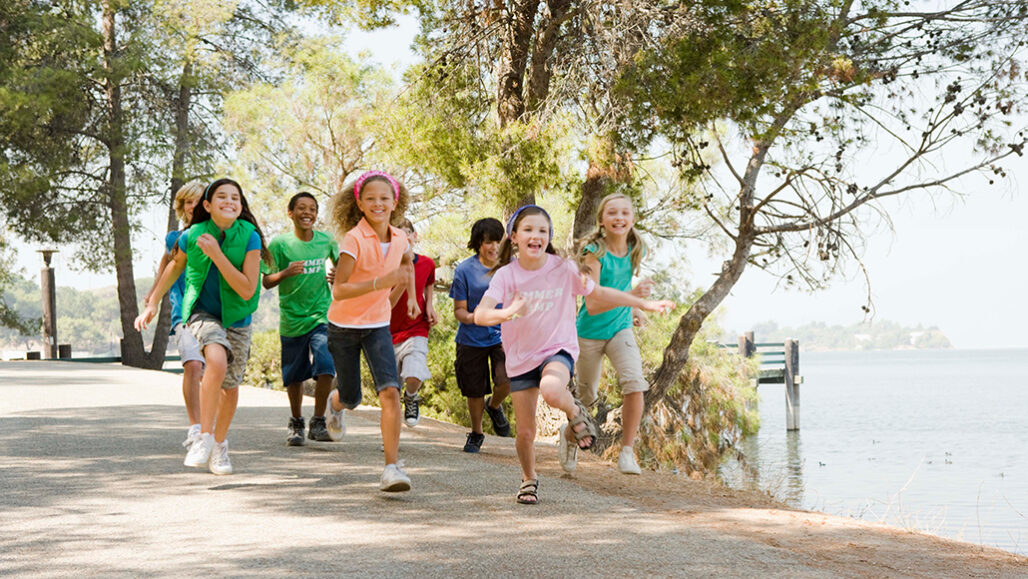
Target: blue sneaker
(474, 443)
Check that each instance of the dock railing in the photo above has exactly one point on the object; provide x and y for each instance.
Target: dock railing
(779, 364)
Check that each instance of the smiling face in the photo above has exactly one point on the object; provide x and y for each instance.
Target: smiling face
(532, 236)
(225, 205)
(489, 253)
(617, 217)
(304, 213)
(187, 208)
(377, 202)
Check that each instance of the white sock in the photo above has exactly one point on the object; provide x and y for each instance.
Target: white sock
(194, 429)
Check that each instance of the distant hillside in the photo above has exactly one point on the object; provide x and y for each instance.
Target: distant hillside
(90, 320)
(878, 335)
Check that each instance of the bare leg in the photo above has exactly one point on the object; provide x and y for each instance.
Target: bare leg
(390, 423)
(524, 402)
(191, 373)
(226, 411)
(500, 393)
(631, 416)
(321, 391)
(554, 388)
(412, 385)
(210, 387)
(476, 406)
(295, 393)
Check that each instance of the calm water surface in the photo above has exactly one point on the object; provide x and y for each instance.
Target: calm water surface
(929, 440)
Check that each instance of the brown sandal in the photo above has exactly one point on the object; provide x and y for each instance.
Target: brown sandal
(590, 429)
(529, 488)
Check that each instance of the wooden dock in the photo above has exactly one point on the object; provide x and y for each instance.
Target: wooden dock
(779, 364)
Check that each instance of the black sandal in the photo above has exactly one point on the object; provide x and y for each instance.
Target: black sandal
(529, 488)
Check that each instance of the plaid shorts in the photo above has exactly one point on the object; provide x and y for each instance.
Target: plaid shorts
(208, 330)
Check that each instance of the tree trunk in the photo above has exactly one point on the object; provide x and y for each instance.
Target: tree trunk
(676, 354)
(518, 30)
(605, 168)
(178, 160)
(677, 351)
(593, 189)
(178, 179)
(132, 352)
(517, 39)
(540, 70)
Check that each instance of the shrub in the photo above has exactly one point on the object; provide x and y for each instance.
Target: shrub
(264, 368)
(702, 417)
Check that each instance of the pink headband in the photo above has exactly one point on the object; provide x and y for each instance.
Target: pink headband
(368, 175)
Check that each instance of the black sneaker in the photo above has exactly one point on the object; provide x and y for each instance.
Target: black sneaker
(295, 436)
(318, 431)
(474, 443)
(410, 409)
(500, 424)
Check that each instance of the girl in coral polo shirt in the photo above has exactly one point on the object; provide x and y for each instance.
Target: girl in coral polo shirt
(373, 257)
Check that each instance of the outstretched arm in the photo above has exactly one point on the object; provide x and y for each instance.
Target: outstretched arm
(430, 305)
(164, 283)
(486, 313)
(595, 302)
(165, 259)
(608, 298)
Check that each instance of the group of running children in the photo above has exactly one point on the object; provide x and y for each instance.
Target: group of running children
(520, 329)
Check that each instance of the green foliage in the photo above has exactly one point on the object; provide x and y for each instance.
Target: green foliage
(706, 412)
(311, 130)
(737, 60)
(45, 113)
(88, 320)
(442, 126)
(264, 368)
(367, 14)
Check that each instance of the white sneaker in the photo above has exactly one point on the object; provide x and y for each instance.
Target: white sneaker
(335, 421)
(626, 461)
(220, 464)
(200, 451)
(394, 479)
(567, 450)
(192, 435)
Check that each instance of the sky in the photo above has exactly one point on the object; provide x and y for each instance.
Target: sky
(955, 262)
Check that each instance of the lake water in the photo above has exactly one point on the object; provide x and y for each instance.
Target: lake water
(929, 440)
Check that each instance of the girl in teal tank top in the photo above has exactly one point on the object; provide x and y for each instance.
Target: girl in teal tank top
(611, 256)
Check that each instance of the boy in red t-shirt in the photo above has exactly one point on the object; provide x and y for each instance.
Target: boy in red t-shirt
(410, 335)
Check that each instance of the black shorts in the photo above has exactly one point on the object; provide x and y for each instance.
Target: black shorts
(475, 365)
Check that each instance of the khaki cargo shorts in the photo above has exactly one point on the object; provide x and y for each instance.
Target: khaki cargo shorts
(208, 330)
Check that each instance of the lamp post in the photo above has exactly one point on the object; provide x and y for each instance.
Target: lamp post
(49, 286)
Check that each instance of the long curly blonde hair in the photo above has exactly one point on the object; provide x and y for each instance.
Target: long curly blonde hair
(345, 215)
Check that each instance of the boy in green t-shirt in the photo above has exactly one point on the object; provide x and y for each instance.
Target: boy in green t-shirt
(304, 296)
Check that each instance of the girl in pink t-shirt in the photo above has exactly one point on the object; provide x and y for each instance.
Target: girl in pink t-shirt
(538, 289)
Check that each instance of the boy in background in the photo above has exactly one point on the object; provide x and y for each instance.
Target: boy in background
(304, 295)
(410, 335)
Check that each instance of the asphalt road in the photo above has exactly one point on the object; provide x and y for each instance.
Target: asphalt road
(92, 484)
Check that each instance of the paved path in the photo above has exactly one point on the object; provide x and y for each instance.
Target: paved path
(92, 484)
